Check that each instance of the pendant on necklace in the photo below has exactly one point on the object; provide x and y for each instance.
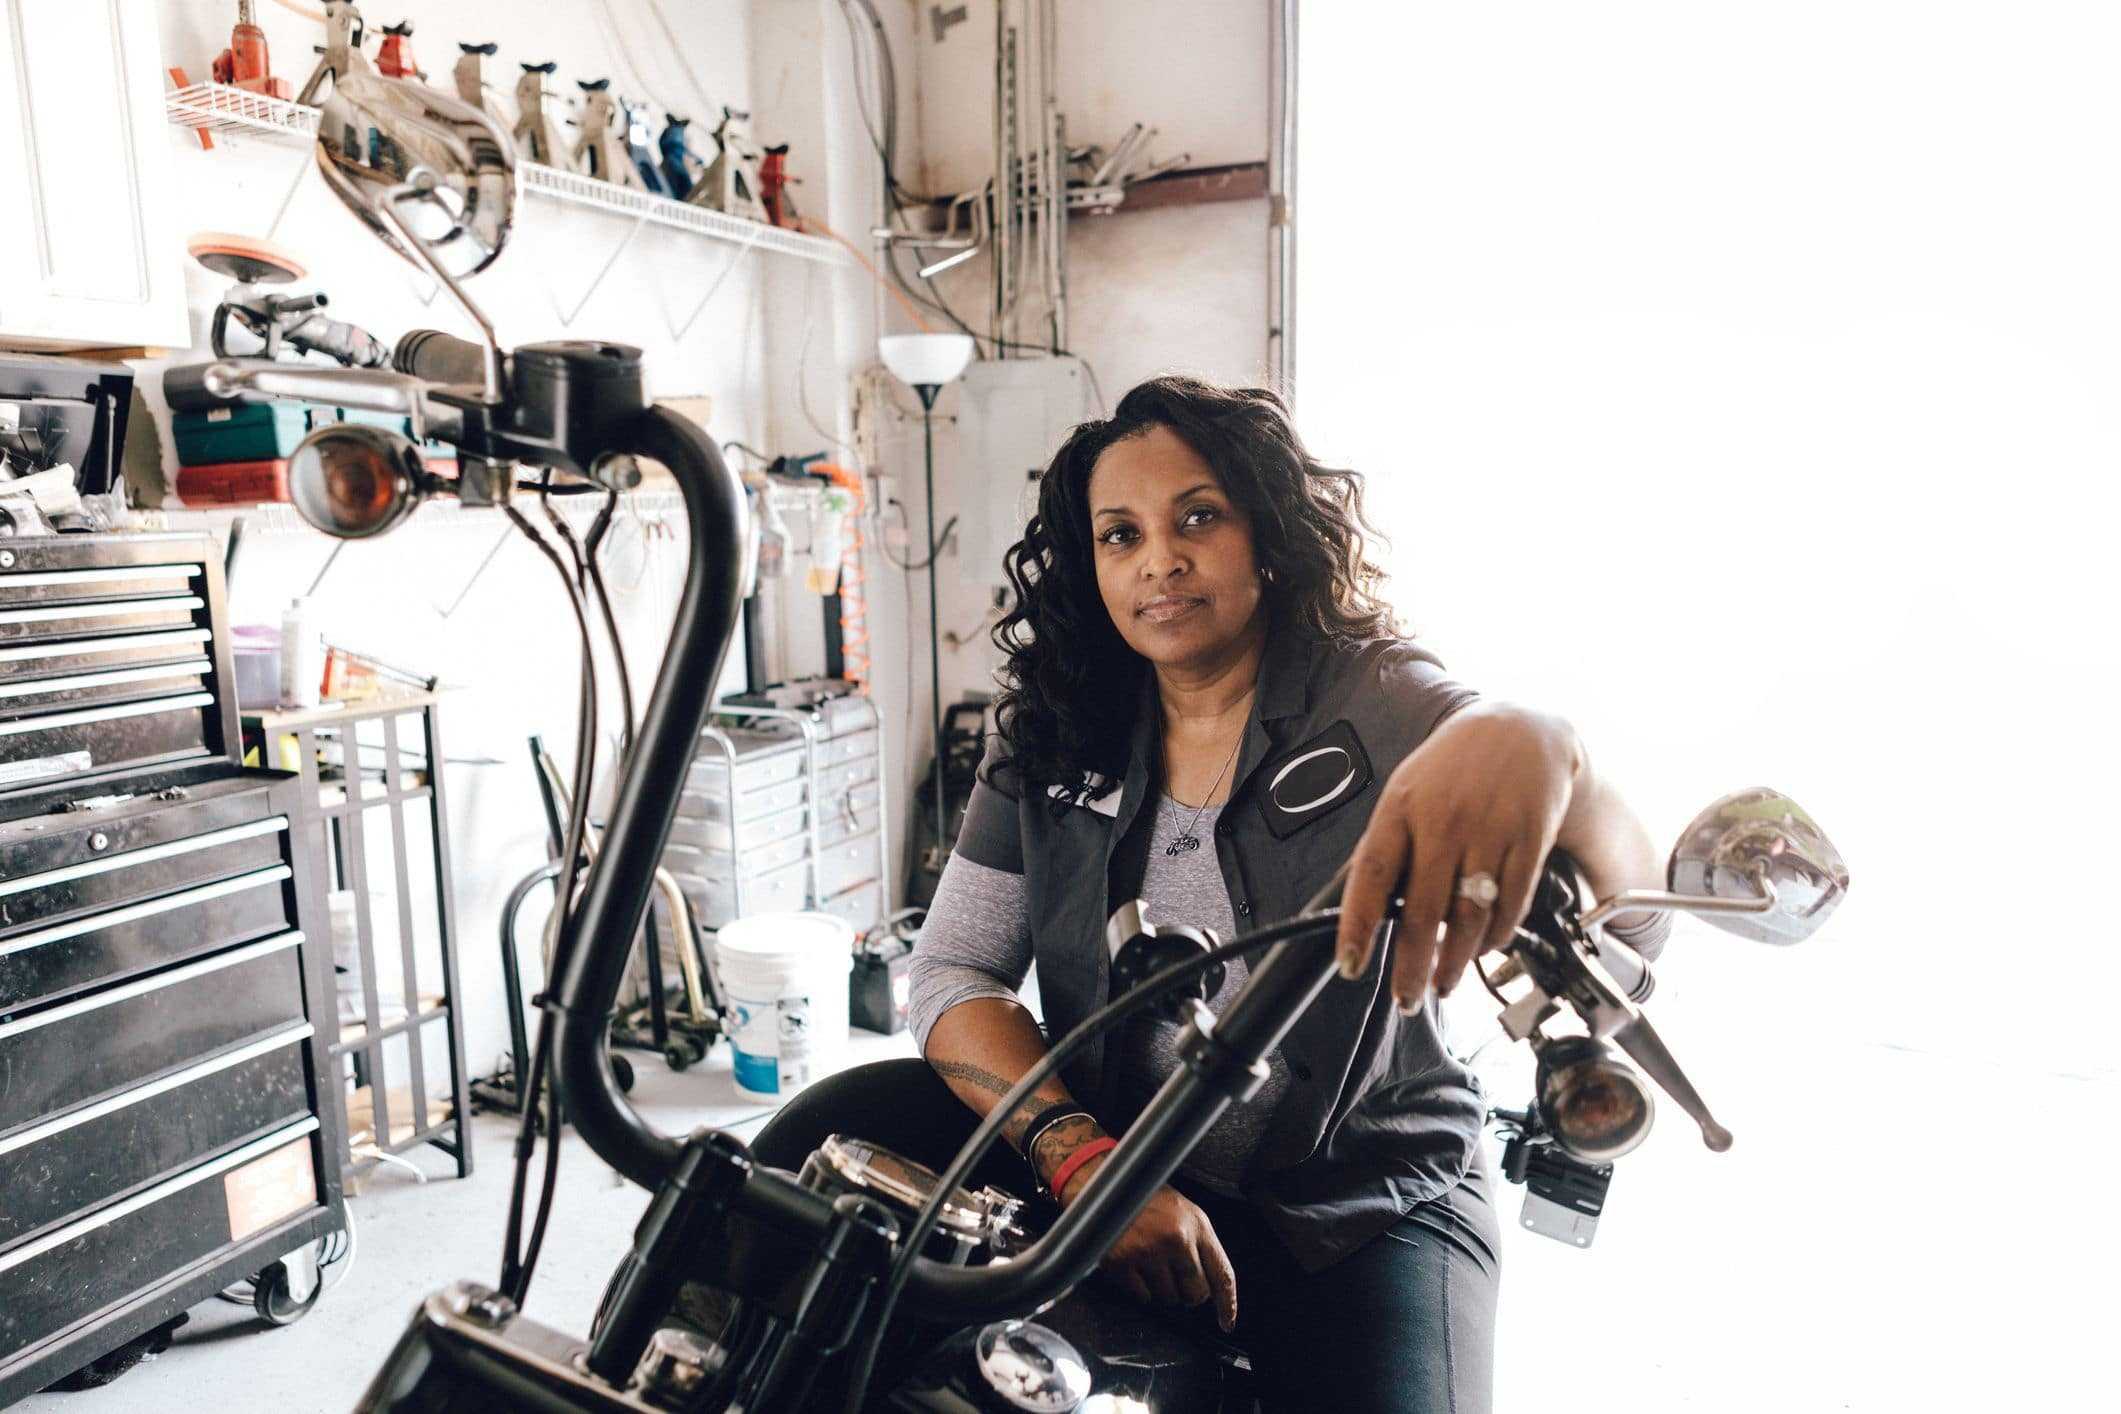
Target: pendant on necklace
(1182, 843)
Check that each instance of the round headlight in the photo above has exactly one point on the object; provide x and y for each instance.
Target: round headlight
(1593, 1102)
(352, 480)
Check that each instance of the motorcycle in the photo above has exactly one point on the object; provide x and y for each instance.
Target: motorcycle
(817, 1264)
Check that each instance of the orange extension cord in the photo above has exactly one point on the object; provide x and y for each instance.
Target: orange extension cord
(854, 602)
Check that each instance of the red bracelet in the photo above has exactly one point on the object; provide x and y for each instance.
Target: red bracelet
(1076, 1160)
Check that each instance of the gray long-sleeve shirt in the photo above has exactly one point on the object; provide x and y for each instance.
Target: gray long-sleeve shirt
(977, 943)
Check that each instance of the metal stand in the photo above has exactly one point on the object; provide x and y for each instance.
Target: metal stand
(683, 1041)
(337, 814)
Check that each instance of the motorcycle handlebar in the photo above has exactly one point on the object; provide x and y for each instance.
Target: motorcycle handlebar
(623, 877)
(1627, 967)
(1280, 990)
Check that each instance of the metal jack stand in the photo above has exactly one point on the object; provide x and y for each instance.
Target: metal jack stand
(502, 1092)
(683, 1040)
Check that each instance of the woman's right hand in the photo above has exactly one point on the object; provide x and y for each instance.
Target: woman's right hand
(1170, 1254)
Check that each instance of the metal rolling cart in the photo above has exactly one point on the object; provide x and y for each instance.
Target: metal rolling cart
(165, 1000)
(385, 1118)
(784, 808)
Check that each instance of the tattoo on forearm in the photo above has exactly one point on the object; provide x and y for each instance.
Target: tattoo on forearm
(1053, 1140)
(1060, 1140)
(972, 1075)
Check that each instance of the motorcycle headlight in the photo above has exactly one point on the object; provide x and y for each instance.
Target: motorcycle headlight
(1593, 1102)
(352, 480)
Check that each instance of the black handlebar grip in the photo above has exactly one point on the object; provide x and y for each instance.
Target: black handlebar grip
(437, 357)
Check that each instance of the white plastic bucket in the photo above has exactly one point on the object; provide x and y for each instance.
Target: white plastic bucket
(784, 982)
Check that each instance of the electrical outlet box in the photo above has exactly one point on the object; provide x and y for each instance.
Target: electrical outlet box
(1013, 414)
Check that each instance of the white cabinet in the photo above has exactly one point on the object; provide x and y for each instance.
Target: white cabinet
(88, 256)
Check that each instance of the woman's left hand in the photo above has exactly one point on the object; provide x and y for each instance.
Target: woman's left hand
(1485, 794)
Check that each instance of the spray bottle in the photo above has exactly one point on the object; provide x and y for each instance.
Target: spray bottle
(301, 656)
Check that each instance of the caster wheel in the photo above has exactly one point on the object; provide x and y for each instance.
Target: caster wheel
(622, 1071)
(284, 1295)
(681, 1055)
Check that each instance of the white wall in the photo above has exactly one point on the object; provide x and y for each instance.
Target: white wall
(1178, 289)
(1195, 70)
(1743, 385)
(510, 648)
(1747, 392)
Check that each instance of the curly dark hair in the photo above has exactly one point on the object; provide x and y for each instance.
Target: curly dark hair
(1070, 684)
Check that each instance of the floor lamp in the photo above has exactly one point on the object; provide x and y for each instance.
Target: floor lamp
(925, 362)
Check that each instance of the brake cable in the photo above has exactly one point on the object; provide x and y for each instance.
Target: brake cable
(517, 1264)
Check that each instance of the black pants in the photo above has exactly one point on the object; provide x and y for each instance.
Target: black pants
(1403, 1325)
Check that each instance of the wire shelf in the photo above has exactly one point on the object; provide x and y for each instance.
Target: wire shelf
(579, 190)
(219, 108)
(222, 109)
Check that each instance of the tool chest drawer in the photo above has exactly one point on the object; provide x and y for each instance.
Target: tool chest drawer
(842, 749)
(108, 656)
(714, 900)
(60, 1168)
(746, 835)
(762, 759)
(836, 780)
(840, 716)
(138, 732)
(681, 858)
(846, 864)
(861, 906)
(96, 1045)
(850, 813)
(749, 805)
(184, 862)
(175, 1228)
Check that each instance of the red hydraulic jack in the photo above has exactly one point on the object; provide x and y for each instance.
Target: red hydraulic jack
(394, 60)
(246, 64)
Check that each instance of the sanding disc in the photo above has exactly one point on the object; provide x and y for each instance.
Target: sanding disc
(245, 258)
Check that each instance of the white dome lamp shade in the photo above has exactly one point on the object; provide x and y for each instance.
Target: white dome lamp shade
(925, 361)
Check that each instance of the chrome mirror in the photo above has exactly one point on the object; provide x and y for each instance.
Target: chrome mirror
(1766, 861)
(443, 166)
(430, 174)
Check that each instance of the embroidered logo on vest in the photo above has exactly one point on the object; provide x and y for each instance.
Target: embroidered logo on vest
(1314, 780)
(1106, 805)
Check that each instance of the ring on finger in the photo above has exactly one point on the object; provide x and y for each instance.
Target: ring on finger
(1479, 888)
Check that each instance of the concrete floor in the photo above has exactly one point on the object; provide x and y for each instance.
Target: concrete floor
(1903, 1246)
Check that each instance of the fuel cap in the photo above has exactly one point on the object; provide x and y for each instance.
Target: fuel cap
(1032, 1368)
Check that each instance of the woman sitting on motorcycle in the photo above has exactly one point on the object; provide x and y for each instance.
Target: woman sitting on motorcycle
(1206, 706)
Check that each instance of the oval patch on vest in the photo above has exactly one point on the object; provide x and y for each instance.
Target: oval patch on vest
(1314, 780)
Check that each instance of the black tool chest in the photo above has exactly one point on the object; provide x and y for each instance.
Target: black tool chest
(165, 994)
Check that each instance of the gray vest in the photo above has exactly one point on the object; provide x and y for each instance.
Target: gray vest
(1378, 1114)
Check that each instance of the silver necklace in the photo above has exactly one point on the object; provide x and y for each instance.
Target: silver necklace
(1185, 839)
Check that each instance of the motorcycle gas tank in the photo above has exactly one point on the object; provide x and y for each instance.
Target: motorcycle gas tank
(1141, 1362)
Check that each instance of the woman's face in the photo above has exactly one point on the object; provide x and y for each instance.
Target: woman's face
(1174, 555)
